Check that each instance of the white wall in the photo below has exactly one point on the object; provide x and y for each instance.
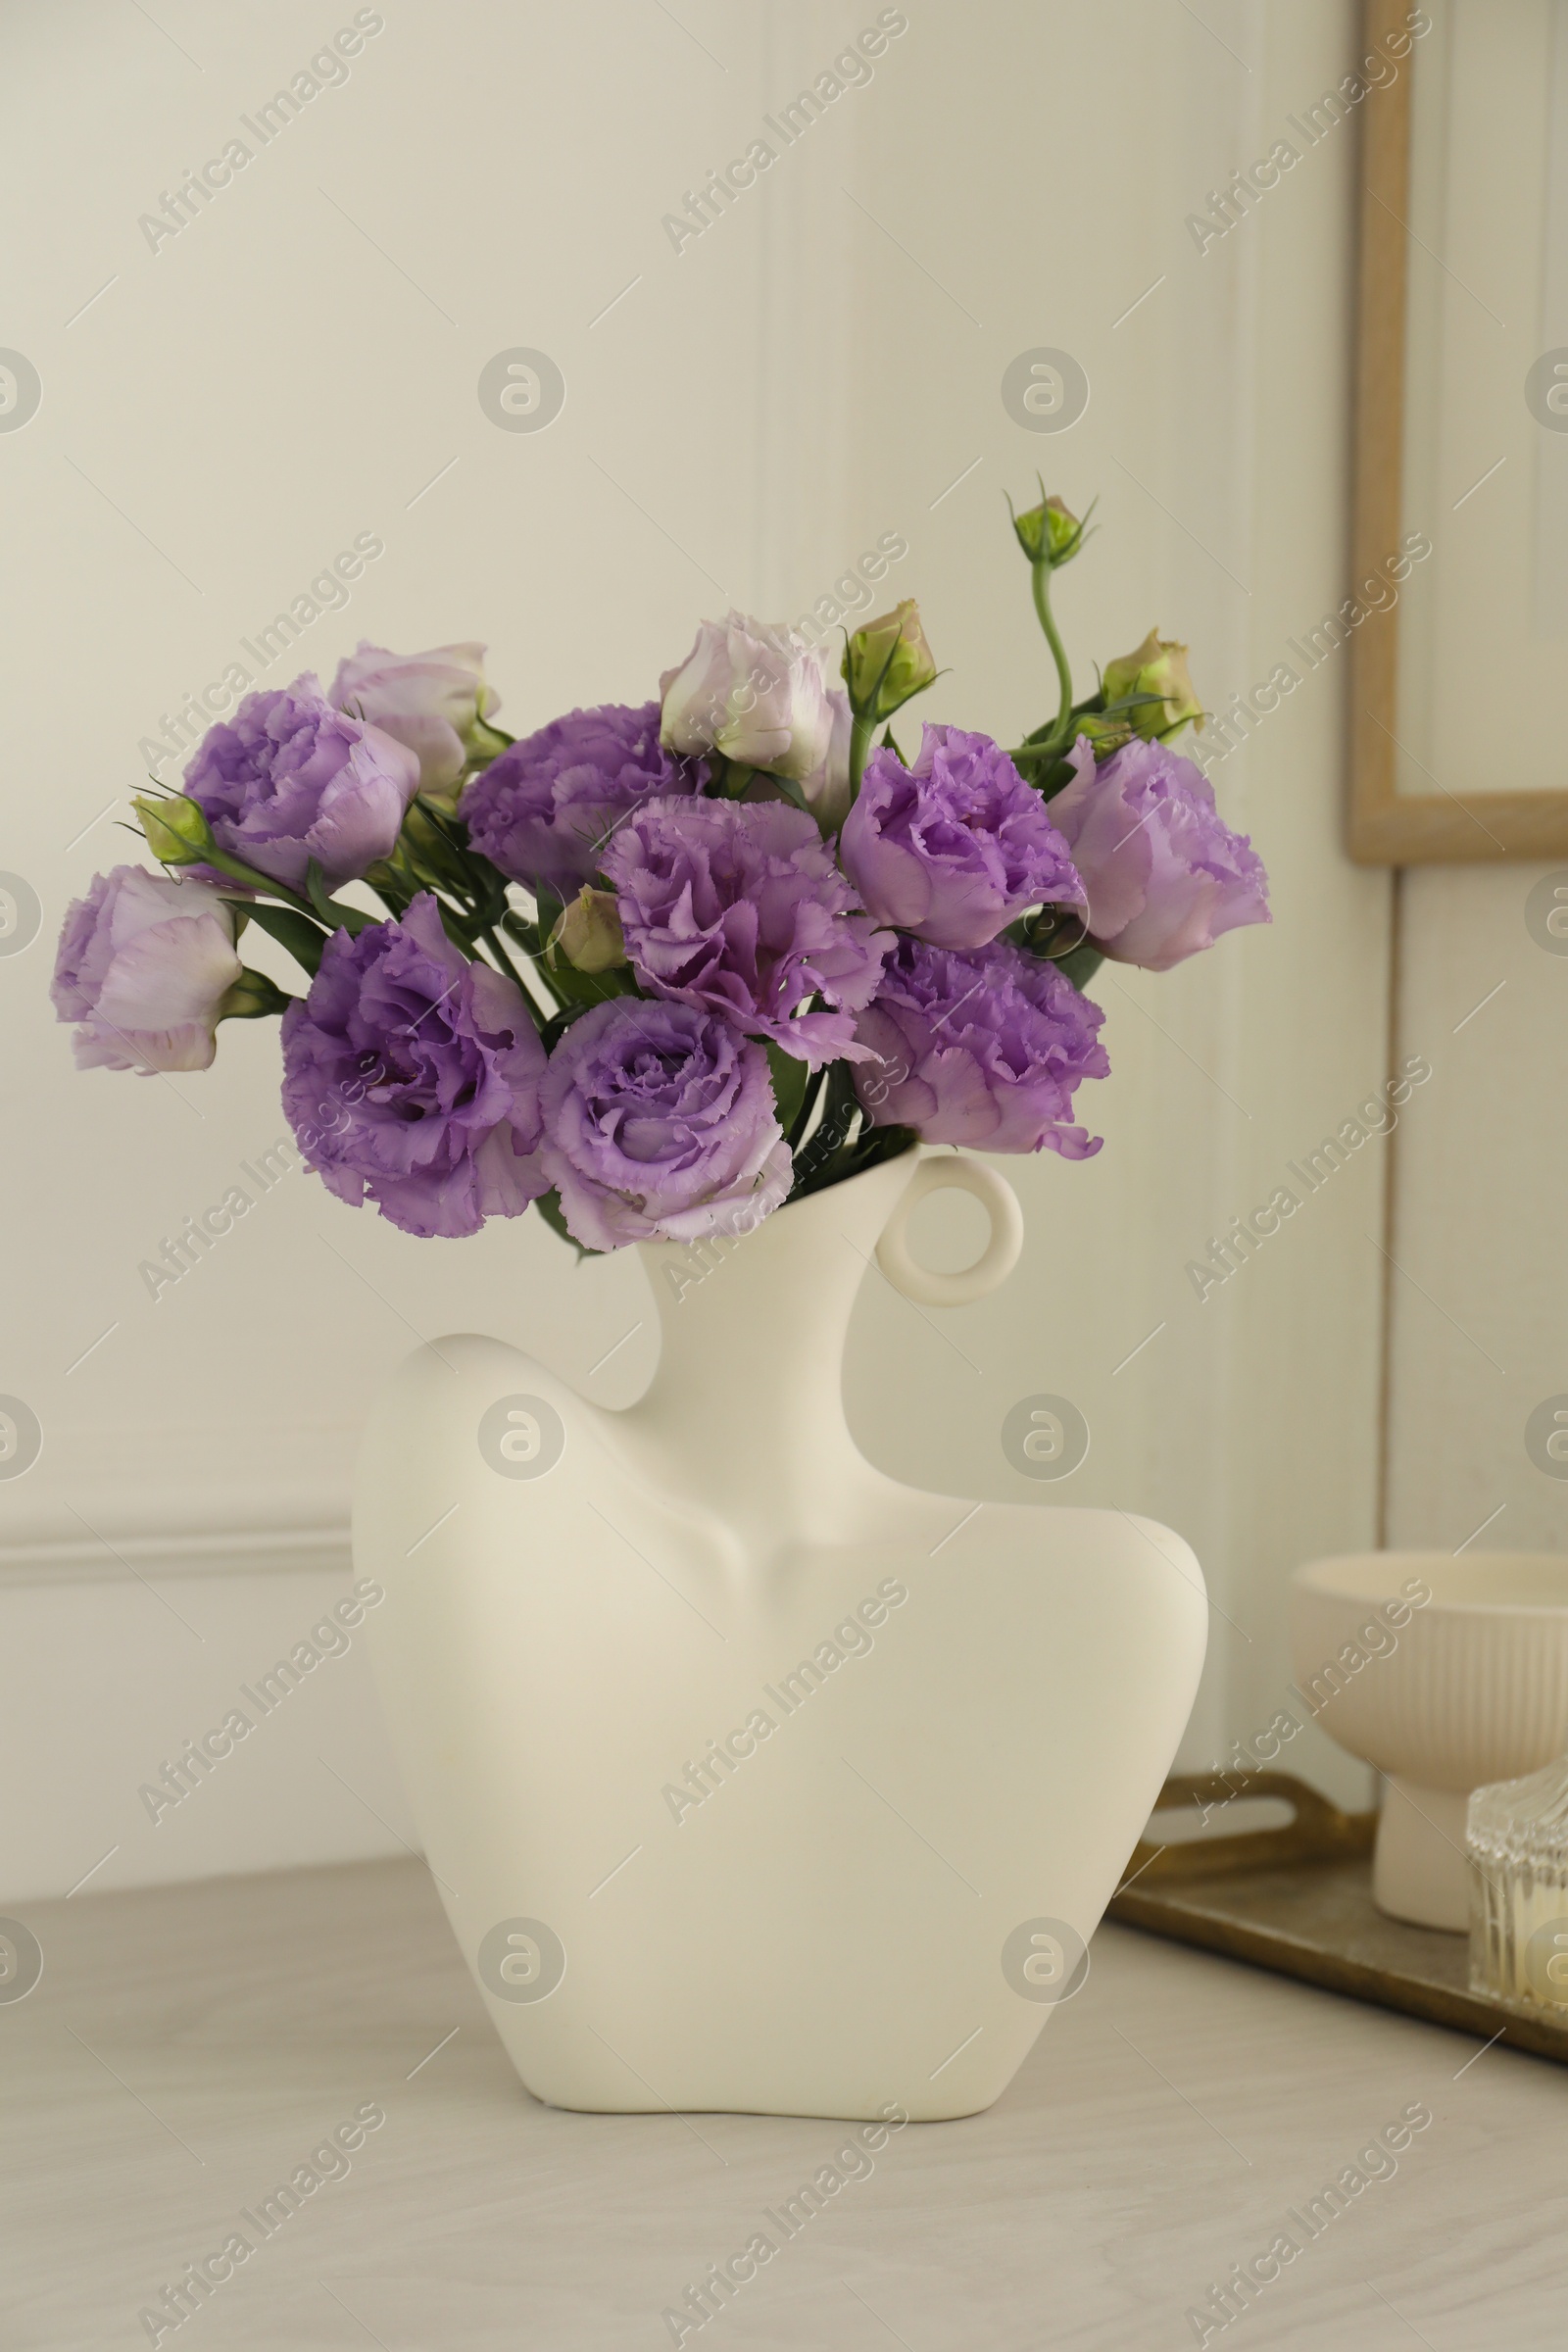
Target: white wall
(237, 406)
(1479, 1303)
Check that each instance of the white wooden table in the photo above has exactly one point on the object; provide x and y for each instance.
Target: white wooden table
(188, 2048)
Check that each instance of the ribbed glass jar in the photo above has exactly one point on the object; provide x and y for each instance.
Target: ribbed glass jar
(1516, 1841)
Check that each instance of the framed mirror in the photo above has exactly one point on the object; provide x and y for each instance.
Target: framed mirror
(1457, 629)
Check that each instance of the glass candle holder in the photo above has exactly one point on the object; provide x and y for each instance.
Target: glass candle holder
(1516, 1844)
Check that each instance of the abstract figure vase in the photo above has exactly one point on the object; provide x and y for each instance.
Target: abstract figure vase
(752, 1779)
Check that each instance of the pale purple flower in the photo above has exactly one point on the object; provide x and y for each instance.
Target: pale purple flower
(411, 1078)
(143, 966)
(660, 1125)
(434, 703)
(1166, 875)
(289, 778)
(956, 846)
(755, 691)
(827, 790)
(984, 1047)
(544, 810)
(739, 907)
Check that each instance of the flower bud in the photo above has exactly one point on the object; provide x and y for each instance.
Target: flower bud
(251, 997)
(1107, 735)
(176, 829)
(1158, 666)
(887, 661)
(1048, 533)
(589, 933)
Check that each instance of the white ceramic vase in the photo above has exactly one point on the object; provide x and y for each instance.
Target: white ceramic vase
(752, 1779)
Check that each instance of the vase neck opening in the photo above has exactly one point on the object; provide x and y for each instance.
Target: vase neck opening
(753, 1326)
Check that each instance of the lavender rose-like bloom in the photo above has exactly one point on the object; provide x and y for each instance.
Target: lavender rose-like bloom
(545, 809)
(434, 703)
(143, 966)
(739, 907)
(827, 790)
(755, 691)
(1165, 874)
(289, 778)
(953, 848)
(982, 1047)
(661, 1125)
(411, 1078)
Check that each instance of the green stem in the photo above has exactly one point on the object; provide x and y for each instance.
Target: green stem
(488, 935)
(1039, 581)
(862, 734)
(263, 882)
(529, 939)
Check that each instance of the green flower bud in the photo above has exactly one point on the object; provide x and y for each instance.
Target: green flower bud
(176, 829)
(589, 933)
(1158, 666)
(252, 998)
(887, 661)
(1048, 533)
(1106, 735)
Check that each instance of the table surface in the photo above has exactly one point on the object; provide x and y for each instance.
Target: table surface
(189, 2047)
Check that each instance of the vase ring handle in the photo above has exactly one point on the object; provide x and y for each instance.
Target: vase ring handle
(955, 1171)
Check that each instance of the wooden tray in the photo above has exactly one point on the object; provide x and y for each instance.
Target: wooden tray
(1299, 1901)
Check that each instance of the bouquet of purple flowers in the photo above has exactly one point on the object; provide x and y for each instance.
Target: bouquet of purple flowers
(664, 967)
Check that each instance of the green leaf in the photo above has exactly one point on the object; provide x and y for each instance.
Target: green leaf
(390, 887)
(574, 987)
(789, 1075)
(517, 926)
(1081, 964)
(316, 892)
(351, 919)
(296, 932)
(555, 1029)
(456, 926)
(828, 1151)
(790, 789)
(1047, 770)
(549, 1207)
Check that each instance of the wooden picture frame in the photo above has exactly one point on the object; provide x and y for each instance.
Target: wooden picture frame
(1385, 825)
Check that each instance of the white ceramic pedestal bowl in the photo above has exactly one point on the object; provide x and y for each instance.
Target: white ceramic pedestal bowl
(1466, 1687)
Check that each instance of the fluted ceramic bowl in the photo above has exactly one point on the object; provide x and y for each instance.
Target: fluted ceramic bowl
(1469, 1684)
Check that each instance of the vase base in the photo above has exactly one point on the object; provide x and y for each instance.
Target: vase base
(1419, 1869)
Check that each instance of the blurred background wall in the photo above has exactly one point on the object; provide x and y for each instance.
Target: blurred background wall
(747, 412)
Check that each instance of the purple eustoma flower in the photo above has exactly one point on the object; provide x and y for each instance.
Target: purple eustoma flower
(755, 691)
(1165, 874)
(289, 778)
(436, 703)
(661, 1125)
(982, 1047)
(739, 907)
(143, 965)
(956, 846)
(411, 1078)
(544, 810)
